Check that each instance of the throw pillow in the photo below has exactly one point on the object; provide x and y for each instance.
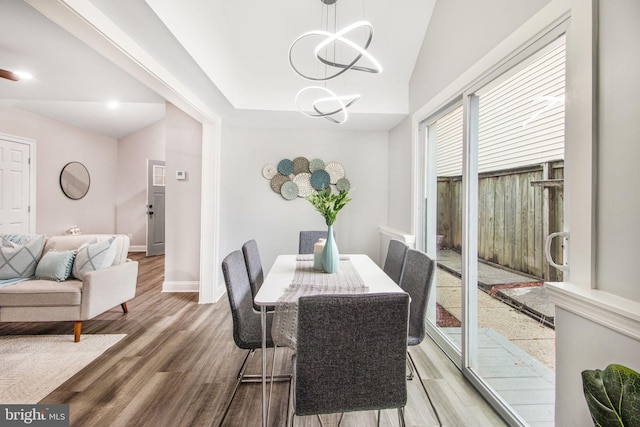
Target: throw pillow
(93, 256)
(18, 261)
(55, 265)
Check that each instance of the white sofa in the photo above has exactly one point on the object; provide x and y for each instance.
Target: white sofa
(38, 300)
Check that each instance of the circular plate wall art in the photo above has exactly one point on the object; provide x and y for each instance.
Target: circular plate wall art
(335, 170)
(303, 181)
(285, 167)
(301, 177)
(343, 184)
(320, 179)
(300, 165)
(289, 190)
(269, 171)
(277, 181)
(315, 164)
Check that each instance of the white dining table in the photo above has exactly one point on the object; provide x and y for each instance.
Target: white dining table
(280, 277)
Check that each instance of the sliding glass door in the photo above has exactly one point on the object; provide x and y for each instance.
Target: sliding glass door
(493, 164)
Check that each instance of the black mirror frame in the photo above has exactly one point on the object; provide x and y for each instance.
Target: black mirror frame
(62, 187)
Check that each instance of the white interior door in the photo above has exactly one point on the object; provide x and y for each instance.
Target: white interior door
(15, 187)
(155, 207)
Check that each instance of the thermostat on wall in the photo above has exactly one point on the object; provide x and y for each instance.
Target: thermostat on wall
(181, 175)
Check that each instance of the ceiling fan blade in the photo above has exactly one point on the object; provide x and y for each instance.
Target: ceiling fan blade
(9, 75)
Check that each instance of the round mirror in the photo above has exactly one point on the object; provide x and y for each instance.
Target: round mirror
(74, 180)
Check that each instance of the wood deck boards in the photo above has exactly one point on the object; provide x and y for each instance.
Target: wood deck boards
(178, 363)
(522, 381)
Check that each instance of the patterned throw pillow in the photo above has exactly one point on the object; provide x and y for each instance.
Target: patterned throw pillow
(20, 261)
(55, 265)
(94, 255)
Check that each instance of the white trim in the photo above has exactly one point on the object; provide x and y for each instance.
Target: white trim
(394, 233)
(470, 118)
(609, 310)
(137, 248)
(211, 288)
(179, 286)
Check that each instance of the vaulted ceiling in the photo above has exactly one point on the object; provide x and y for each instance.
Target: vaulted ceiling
(232, 54)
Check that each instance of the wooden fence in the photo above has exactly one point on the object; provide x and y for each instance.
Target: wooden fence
(517, 210)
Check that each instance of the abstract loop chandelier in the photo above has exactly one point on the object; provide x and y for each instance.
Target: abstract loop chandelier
(334, 38)
(329, 105)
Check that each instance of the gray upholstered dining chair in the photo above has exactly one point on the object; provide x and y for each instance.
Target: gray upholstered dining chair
(308, 239)
(247, 325)
(417, 278)
(254, 269)
(394, 262)
(331, 374)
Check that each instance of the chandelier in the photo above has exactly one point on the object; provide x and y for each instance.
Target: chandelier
(320, 101)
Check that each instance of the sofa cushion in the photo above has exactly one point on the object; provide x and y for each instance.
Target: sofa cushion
(92, 256)
(20, 260)
(42, 293)
(55, 265)
(73, 242)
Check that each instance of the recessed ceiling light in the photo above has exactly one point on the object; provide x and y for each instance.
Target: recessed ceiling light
(113, 105)
(24, 75)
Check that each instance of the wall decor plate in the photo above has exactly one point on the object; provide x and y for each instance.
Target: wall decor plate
(343, 184)
(289, 190)
(335, 170)
(277, 181)
(320, 179)
(316, 164)
(300, 165)
(269, 171)
(285, 167)
(303, 181)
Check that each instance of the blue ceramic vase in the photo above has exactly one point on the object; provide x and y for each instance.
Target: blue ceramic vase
(330, 255)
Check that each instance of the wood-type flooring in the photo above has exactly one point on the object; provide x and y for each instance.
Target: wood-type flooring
(177, 366)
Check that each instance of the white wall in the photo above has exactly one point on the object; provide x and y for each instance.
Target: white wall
(182, 211)
(251, 210)
(618, 208)
(581, 343)
(133, 152)
(56, 145)
(400, 176)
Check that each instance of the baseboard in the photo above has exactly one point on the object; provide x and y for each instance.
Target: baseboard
(192, 286)
(137, 248)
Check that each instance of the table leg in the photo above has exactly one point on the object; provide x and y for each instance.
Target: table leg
(263, 320)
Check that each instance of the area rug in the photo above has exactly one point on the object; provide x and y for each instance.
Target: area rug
(32, 366)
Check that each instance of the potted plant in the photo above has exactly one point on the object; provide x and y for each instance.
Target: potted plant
(329, 204)
(613, 396)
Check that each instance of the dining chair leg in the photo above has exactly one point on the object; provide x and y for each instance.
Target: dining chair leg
(256, 378)
(273, 368)
(401, 417)
(239, 379)
(291, 408)
(411, 367)
(379, 415)
(245, 363)
(414, 369)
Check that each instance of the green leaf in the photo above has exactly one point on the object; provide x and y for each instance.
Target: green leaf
(613, 396)
(329, 204)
